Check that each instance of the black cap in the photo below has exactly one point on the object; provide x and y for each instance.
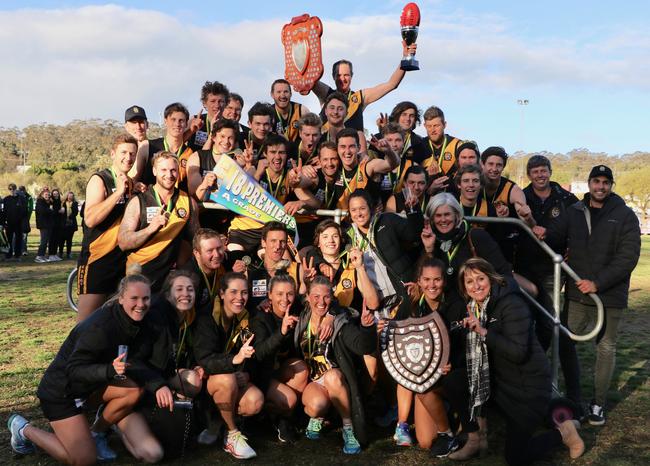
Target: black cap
(468, 145)
(134, 112)
(602, 170)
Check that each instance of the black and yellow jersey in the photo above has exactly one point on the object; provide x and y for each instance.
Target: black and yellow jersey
(101, 239)
(158, 255)
(354, 116)
(287, 127)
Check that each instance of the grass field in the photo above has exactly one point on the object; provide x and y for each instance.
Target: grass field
(34, 320)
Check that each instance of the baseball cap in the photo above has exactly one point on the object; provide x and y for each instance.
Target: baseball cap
(602, 170)
(134, 112)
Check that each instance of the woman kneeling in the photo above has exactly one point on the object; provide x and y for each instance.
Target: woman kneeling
(86, 371)
(222, 349)
(334, 365)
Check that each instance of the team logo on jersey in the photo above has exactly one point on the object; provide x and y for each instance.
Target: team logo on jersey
(346, 283)
(555, 212)
(295, 125)
(447, 156)
(181, 212)
(354, 99)
(184, 163)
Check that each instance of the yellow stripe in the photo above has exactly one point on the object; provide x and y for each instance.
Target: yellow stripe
(152, 248)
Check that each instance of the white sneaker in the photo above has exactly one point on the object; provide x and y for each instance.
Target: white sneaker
(40, 259)
(54, 258)
(235, 444)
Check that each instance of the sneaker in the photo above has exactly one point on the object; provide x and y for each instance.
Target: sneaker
(235, 444)
(402, 435)
(207, 437)
(40, 259)
(314, 427)
(54, 258)
(596, 416)
(286, 432)
(388, 418)
(350, 443)
(19, 443)
(445, 443)
(24, 253)
(104, 452)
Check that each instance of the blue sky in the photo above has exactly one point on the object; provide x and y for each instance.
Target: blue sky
(582, 65)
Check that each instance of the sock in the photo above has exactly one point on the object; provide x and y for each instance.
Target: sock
(347, 422)
(232, 432)
(449, 433)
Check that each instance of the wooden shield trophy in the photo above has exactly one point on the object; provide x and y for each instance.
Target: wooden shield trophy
(302, 52)
(415, 350)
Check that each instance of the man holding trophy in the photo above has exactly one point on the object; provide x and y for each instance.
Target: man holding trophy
(342, 73)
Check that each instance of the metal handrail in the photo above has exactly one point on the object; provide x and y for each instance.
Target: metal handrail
(559, 263)
(338, 214)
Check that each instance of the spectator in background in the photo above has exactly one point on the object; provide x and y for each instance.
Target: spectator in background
(71, 210)
(56, 231)
(27, 228)
(15, 210)
(44, 219)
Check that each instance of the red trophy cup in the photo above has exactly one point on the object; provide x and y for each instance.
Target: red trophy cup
(410, 22)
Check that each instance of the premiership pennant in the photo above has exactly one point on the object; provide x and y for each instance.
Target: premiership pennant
(241, 193)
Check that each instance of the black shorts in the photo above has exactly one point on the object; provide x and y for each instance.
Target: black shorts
(102, 275)
(59, 409)
(250, 240)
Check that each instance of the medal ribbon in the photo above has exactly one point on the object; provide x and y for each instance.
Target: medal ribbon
(442, 151)
(277, 186)
(169, 205)
(451, 255)
(166, 144)
(211, 289)
(310, 156)
(345, 180)
(285, 128)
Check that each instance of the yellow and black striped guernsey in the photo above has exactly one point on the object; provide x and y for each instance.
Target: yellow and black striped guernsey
(159, 254)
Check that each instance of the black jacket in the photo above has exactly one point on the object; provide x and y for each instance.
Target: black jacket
(393, 234)
(172, 348)
(85, 361)
(607, 255)
(531, 261)
(271, 347)
(14, 211)
(44, 214)
(476, 243)
(209, 346)
(70, 218)
(349, 342)
(520, 377)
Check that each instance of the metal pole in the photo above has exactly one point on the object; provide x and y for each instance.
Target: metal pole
(555, 348)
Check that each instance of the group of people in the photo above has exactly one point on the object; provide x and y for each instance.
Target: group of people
(56, 220)
(218, 307)
(15, 211)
